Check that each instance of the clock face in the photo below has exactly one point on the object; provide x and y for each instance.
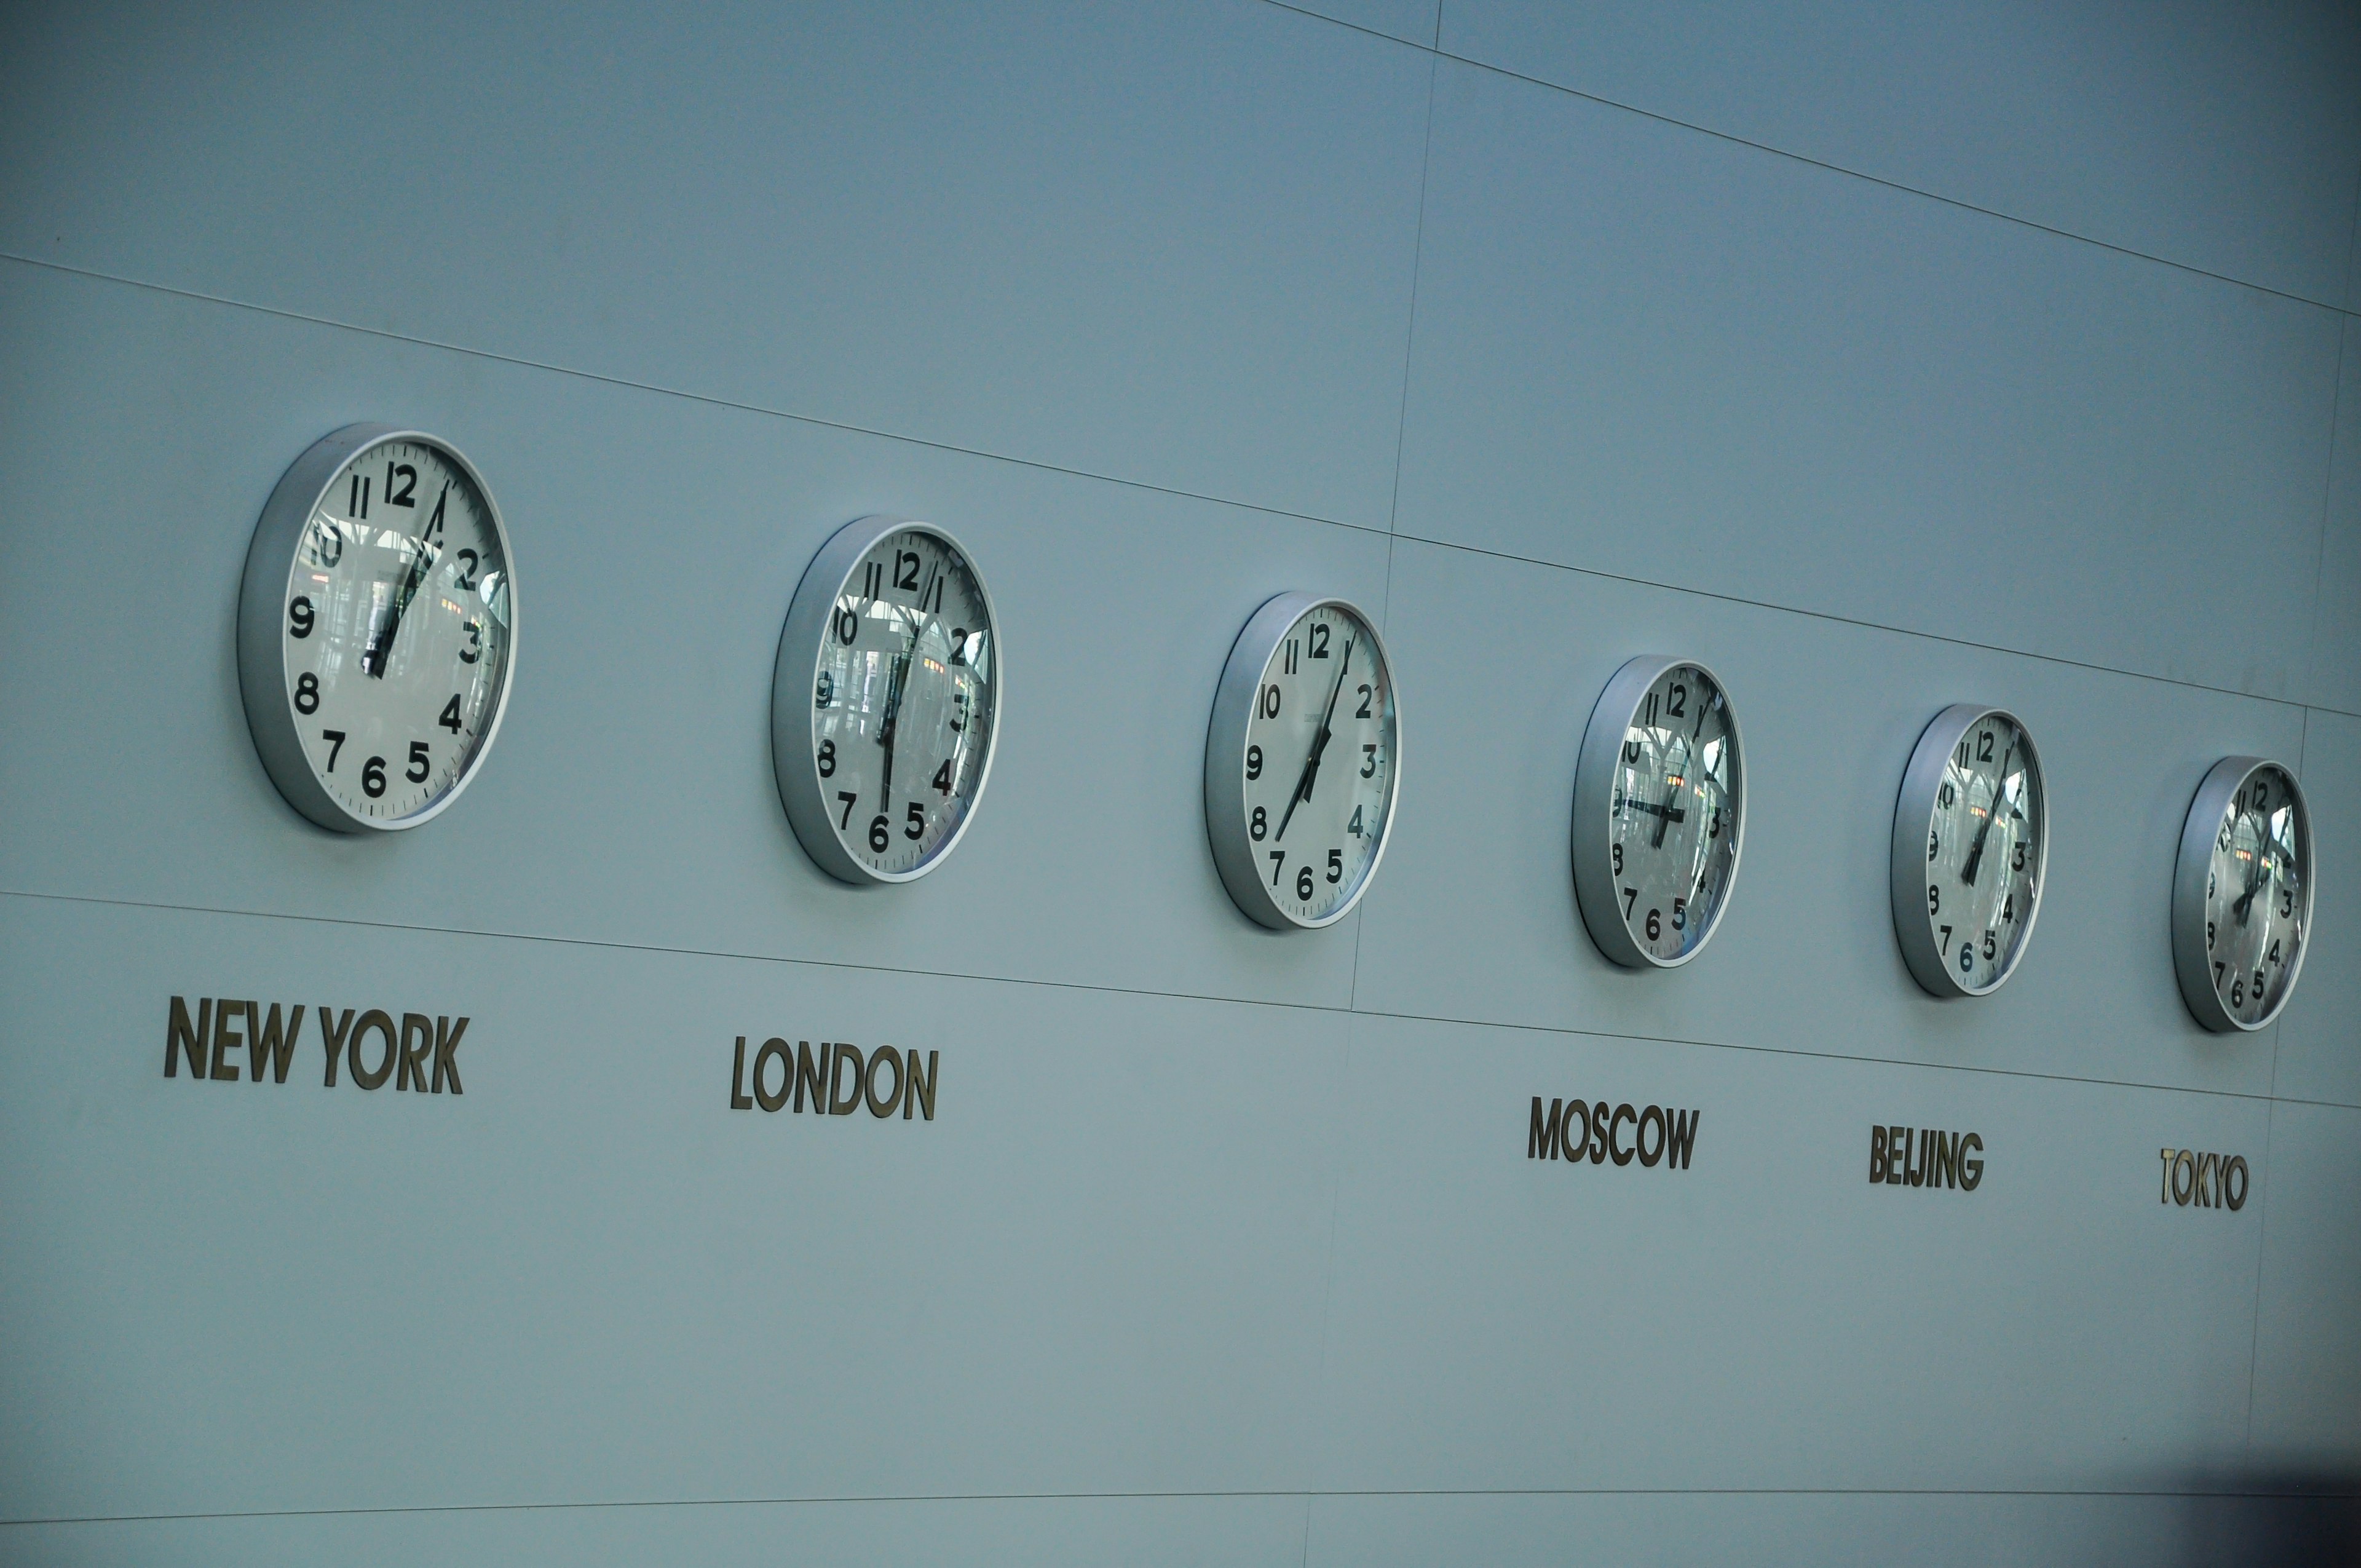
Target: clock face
(394, 633)
(2258, 896)
(1301, 763)
(902, 698)
(1658, 827)
(1980, 828)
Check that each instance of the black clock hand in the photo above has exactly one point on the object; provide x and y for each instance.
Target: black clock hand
(383, 650)
(1318, 745)
(1992, 815)
(890, 723)
(2255, 883)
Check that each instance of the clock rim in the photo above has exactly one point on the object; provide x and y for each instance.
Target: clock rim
(261, 659)
(795, 762)
(1251, 651)
(1913, 805)
(2207, 807)
(1592, 853)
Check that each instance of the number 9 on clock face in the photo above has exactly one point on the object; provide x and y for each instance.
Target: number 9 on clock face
(885, 703)
(1301, 761)
(377, 628)
(1659, 804)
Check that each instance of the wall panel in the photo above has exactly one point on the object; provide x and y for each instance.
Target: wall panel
(1647, 352)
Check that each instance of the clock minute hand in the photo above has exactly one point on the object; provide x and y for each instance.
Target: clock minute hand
(1318, 745)
(408, 591)
(1992, 815)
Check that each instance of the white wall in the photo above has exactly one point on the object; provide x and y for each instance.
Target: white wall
(1882, 358)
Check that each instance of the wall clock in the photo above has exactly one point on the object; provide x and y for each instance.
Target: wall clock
(377, 628)
(1659, 812)
(2242, 894)
(885, 702)
(1970, 848)
(1303, 759)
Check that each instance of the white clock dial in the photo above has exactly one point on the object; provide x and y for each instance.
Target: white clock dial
(1301, 760)
(2242, 896)
(1659, 812)
(887, 700)
(1970, 844)
(377, 628)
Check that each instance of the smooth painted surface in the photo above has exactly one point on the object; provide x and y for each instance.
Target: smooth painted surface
(2221, 137)
(1125, 298)
(1172, 245)
(1680, 360)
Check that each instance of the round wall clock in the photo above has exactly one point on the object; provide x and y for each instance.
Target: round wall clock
(1301, 761)
(377, 628)
(1971, 846)
(2242, 894)
(1659, 812)
(886, 703)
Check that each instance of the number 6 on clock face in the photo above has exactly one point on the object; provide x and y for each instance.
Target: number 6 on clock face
(377, 628)
(1301, 760)
(885, 701)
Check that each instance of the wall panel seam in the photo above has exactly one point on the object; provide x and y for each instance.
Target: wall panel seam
(1344, 1014)
(1776, 151)
(656, 389)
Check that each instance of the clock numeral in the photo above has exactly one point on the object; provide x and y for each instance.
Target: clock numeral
(299, 617)
(419, 765)
(1319, 635)
(1258, 825)
(2273, 956)
(824, 691)
(1254, 762)
(1992, 946)
(1304, 884)
(828, 759)
(1649, 711)
(2287, 903)
(1278, 864)
(1270, 701)
(475, 647)
(1934, 899)
(468, 562)
(1630, 753)
(1655, 925)
(849, 798)
(1934, 839)
(958, 644)
(356, 502)
(1678, 706)
(937, 608)
(1630, 897)
(1369, 760)
(2017, 861)
(1713, 824)
(1944, 796)
(880, 834)
(848, 624)
(450, 719)
(335, 739)
(1967, 957)
(957, 725)
(434, 524)
(373, 777)
(328, 544)
(2209, 936)
(1983, 746)
(1616, 854)
(943, 779)
(409, 477)
(1680, 913)
(1943, 942)
(2008, 913)
(1336, 865)
(906, 569)
(1288, 664)
(1363, 712)
(307, 693)
(1353, 827)
(2239, 992)
(913, 824)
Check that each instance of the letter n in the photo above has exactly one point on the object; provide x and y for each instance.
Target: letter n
(921, 1092)
(1547, 1138)
(179, 1035)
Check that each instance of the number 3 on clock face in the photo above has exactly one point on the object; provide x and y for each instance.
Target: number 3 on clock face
(1301, 761)
(886, 703)
(377, 628)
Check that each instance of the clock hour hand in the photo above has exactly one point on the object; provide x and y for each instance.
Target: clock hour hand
(383, 649)
(1318, 745)
(1667, 810)
(895, 686)
(1992, 815)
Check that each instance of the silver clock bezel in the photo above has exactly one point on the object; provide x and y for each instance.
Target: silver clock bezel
(1592, 849)
(262, 679)
(1914, 818)
(1256, 644)
(793, 757)
(2215, 792)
